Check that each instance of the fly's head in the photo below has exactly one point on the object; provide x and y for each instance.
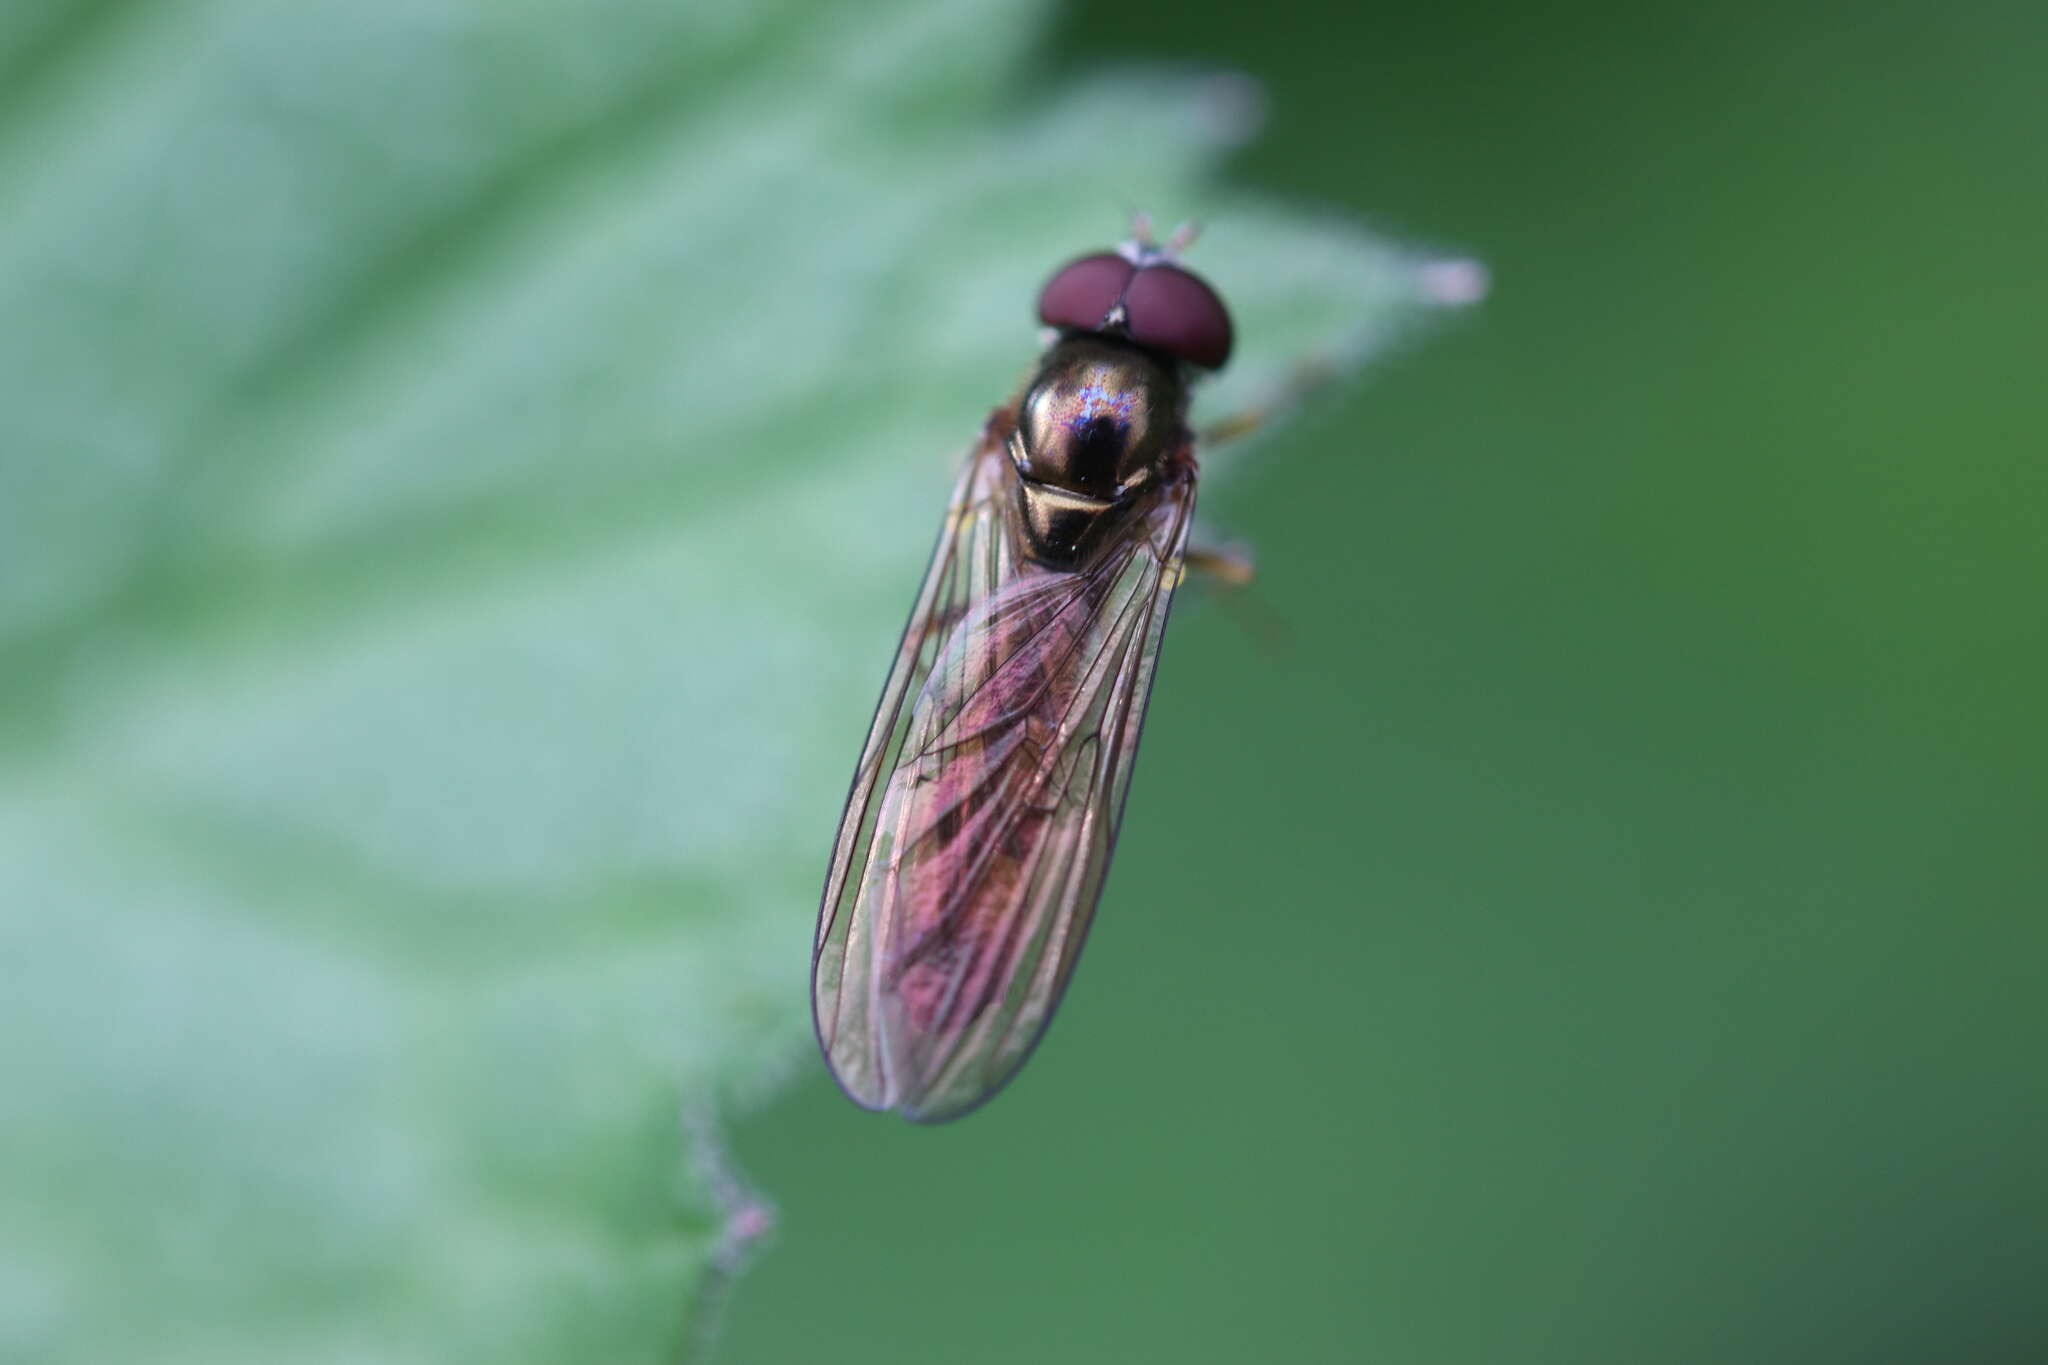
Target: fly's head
(1142, 293)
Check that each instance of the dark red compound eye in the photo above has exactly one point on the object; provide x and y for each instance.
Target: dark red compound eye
(1080, 295)
(1165, 307)
(1174, 311)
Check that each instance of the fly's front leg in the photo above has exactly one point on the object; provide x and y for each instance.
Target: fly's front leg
(1309, 373)
(1230, 563)
(1447, 283)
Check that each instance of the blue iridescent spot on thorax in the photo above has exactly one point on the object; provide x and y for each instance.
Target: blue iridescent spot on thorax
(1095, 401)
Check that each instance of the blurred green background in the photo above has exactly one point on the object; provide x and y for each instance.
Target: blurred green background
(461, 469)
(1611, 928)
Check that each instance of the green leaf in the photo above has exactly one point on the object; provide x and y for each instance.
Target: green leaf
(462, 466)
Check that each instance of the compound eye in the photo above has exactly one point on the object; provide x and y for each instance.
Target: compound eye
(1081, 293)
(1174, 311)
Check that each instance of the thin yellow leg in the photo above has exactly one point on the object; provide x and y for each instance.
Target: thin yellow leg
(1231, 564)
(1306, 377)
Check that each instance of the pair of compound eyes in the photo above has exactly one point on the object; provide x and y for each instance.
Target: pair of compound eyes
(1164, 307)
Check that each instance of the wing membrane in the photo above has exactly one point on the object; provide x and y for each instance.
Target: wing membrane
(986, 802)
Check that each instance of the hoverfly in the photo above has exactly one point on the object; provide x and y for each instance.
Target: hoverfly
(985, 806)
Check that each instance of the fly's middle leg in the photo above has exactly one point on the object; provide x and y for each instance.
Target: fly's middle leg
(1230, 563)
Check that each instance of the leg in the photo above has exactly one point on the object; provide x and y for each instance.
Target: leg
(1228, 564)
(1231, 567)
(1309, 374)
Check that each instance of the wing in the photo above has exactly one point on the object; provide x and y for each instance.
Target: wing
(986, 803)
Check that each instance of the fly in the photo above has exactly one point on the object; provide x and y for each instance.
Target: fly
(985, 806)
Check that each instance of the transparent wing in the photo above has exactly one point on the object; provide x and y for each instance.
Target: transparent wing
(986, 803)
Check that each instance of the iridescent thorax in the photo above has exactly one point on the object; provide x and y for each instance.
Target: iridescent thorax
(1093, 433)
